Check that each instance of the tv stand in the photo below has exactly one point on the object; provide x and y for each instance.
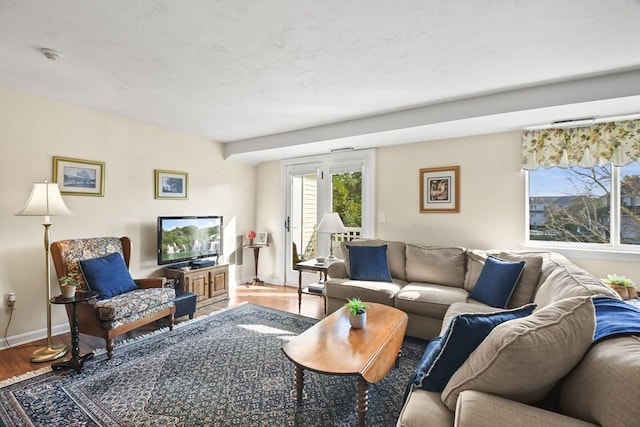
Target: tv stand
(210, 284)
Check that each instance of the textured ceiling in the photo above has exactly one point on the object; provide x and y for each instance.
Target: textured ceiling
(237, 71)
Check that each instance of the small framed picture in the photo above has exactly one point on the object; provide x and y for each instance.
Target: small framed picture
(78, 177)
(261, 238)
(440, 190)
(171, 184)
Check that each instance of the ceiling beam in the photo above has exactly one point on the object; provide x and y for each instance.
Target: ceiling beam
(621, 84)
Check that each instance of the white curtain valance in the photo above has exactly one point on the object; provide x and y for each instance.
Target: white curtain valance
(600, 143)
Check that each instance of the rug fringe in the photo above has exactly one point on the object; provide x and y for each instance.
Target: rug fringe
(25, 376)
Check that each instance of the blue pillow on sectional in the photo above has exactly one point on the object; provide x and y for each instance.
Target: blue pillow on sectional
(444, 355)
(497, 281)
(369, 263)
(428, 357)
(108, 275)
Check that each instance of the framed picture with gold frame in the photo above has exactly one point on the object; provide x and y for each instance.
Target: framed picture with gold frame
(440, 190)
(171, 184)
(78, 177)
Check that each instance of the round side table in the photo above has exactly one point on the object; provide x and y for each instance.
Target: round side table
(76, 362)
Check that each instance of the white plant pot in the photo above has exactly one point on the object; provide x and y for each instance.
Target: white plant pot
(68, 291)
(358, 321)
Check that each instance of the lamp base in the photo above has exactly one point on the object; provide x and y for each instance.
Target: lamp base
(331, 258)
(47, 354)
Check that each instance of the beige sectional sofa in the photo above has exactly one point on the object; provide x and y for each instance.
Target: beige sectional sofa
(595, 384)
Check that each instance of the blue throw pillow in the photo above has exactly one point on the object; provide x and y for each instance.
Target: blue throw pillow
(108, 275)
(369, 263)
(497, 281)
(444, 355)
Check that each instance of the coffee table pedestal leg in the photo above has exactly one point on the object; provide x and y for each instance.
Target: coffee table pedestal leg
(299, 383)
(363, 400)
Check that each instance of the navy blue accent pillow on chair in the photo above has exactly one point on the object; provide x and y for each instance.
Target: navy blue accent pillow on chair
(497, 281)
(108, 275)
(444, 355)
(369, 263)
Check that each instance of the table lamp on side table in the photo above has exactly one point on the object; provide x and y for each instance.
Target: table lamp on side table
(331, 224)
(46, 200)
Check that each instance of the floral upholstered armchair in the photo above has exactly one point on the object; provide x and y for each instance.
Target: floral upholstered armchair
(123, 304)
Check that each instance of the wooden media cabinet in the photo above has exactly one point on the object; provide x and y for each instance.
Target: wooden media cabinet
(210, 284)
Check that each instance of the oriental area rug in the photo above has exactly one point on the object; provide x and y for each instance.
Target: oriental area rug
(225, 369)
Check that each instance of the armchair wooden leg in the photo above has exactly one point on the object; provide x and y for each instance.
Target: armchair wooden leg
(110, 348)
(171, 322)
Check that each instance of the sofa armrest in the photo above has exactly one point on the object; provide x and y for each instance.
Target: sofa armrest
(478, 409)
(337, 270)
(152, 282)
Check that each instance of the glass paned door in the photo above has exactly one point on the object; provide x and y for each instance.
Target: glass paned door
(313, 186)
(302, 216)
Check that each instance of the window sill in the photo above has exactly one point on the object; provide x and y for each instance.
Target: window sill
(608, 254)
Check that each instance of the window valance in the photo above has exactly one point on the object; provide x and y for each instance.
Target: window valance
(600, 143)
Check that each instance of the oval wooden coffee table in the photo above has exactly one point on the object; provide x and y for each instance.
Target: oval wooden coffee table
(332, 347)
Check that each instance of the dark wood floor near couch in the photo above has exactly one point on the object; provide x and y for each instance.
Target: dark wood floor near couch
(15, 361)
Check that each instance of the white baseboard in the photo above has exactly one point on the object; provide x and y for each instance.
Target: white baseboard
(31, 336)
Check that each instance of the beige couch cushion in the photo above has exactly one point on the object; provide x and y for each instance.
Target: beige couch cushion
(434, 264)
(395, 255)
(380, 292)
(479, 409)
(526, 287)
(523, 359)
(568, 281)
(428, 300)
(475, 259)
(610, 371)
(425, 408)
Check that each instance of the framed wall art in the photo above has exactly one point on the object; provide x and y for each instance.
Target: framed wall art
(171, 184)
(78, 177)
(261, 238)
(440, 190)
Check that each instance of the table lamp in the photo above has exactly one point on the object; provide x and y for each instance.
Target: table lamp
(46, 200)
(331, 224)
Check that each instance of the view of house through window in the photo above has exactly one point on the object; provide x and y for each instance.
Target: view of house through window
(575, 204)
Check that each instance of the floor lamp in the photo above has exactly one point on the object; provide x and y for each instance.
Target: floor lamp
(331, 224)
(45, 200)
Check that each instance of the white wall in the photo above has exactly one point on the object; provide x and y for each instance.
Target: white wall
(492, 193)
(33, 130)
(270, 218)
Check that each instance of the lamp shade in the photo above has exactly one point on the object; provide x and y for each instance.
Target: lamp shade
(45, 200)
(331, 223)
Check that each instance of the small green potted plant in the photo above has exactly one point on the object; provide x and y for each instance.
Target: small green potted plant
(623, 286)
(357, 312)
(68, 285)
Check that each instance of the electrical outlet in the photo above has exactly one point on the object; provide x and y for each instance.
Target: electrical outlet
(11, 301)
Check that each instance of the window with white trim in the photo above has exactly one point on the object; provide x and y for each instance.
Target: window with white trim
(598, 205)
(583, 186)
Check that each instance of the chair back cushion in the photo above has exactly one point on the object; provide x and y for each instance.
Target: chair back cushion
(68, 253)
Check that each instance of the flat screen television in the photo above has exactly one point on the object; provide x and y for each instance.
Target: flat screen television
(184, 239)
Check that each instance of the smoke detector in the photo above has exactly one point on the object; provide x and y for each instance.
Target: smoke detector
(50, 54)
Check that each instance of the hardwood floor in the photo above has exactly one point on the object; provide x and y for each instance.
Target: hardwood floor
(15, 361)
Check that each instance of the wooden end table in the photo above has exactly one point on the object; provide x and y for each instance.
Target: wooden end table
(76, 362)
(312, 265)
(332, 347)
(256, 254)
